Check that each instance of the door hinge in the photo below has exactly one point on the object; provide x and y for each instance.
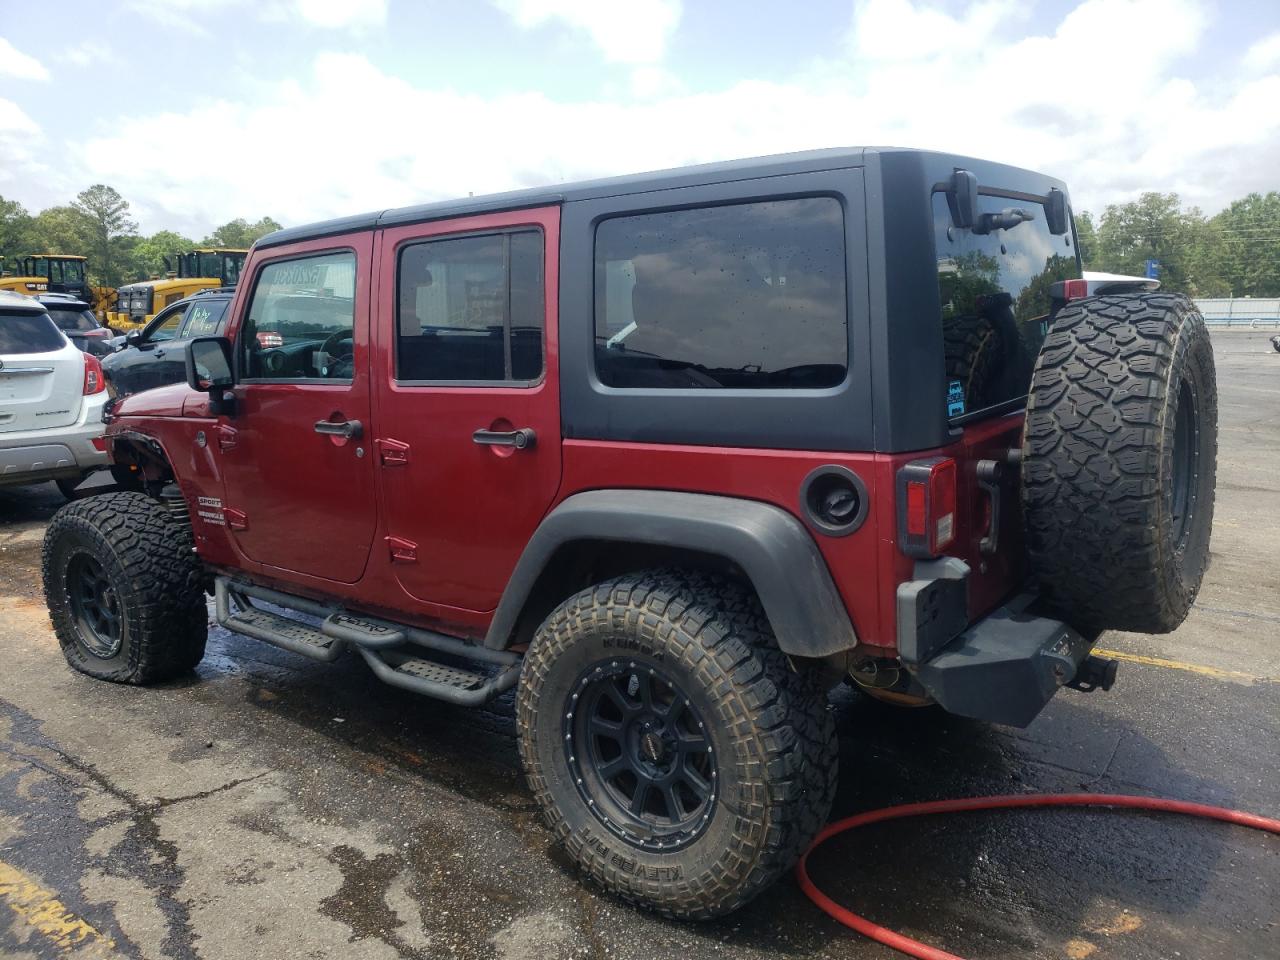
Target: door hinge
(394, 453)
(402, 550)
(227, 437)
(236, 519)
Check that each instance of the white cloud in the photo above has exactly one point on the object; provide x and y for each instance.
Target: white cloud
(85, 54)
(22, 66)
(186, 15)
(13, 120)
(633, 32)
(1108, 123)
(1264, 54)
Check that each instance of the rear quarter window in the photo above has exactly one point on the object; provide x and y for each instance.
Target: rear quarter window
(737, 296)
(995, 291)
(29, 333)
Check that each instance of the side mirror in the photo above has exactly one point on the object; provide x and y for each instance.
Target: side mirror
(962, 197)
(1056, 214)
(133, 338)
(209, 365)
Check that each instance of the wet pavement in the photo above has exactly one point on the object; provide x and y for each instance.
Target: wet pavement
(272, 807)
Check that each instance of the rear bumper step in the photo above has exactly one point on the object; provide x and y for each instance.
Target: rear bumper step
(1007, 666)
(397, 654)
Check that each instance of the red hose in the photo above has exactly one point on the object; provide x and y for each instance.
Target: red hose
(914, 948)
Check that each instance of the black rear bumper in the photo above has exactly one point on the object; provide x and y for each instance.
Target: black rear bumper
(1003, 668)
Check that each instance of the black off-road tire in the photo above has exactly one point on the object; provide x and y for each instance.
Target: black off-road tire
(146, 561)
(971, 348)
(1119, 461)
(772, 731)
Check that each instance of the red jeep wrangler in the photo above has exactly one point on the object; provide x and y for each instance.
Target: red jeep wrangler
(673, 454)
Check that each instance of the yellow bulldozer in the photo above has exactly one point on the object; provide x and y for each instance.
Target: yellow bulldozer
(58, 273)
(200, 269)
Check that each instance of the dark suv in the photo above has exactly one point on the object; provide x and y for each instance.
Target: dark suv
(671, 455)
(75, 318)
(156, 355)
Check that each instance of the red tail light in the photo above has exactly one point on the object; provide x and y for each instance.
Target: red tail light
(94, 381)
(927, 506)
(1064, 291)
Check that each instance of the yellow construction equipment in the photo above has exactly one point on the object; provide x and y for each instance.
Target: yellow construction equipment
(68, 273)
(22, 283)
(200, 269)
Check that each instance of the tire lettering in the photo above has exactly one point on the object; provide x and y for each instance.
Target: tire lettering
(633, 645)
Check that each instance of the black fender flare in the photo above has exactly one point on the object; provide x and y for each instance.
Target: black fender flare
(775, 550)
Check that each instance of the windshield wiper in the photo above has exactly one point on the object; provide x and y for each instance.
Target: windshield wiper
(1006, 219)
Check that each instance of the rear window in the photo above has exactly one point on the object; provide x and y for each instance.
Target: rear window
(995, 290)
(73, 320)
(28, 333)
(743, 296)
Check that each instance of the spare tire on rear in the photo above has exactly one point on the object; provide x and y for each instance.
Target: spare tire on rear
(1119, 457)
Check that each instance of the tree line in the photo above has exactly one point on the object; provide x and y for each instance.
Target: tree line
(97, 224)
(1235, 253)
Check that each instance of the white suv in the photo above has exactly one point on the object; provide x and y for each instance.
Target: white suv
(51, 400)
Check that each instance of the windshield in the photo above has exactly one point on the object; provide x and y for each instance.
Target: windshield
(28, 333)
(996, 298)
(72, 271)
(73, 319)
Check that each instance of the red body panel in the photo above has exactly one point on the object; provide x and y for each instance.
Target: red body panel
(464, 510)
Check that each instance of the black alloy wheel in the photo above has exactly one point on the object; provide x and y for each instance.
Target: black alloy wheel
(639, 755)
(95, 606)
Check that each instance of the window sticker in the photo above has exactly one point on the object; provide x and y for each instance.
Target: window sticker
(955, 398)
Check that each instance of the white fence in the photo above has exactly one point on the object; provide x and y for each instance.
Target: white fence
(1251, 312)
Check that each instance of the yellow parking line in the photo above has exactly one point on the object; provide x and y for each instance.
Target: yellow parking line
(1215, 672)
(43, 911)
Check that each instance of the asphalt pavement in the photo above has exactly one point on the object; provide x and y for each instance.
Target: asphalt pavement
(272, 807)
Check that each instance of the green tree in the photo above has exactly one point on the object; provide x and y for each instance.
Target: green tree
(15, 231)
(147, 258)
(111, 231)
(240, 233)
(1247, 237)
(59, 230)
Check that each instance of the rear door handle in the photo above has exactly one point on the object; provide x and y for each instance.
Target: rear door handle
(521, 439)
(350, 429)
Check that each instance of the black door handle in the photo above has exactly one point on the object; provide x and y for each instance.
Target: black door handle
(350, 429)
(521, 439)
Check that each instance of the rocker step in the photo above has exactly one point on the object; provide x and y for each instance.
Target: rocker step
(442, 673)
(384, 646)
(283, 632)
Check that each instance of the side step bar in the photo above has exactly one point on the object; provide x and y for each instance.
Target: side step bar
(391, 650)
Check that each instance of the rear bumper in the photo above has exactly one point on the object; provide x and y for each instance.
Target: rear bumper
(32, 456)
(1003, 668)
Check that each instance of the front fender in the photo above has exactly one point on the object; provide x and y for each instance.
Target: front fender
(775, 550)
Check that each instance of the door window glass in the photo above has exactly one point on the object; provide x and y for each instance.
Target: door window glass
(471, 309)
(204, 318)
(166, 328)
(301, 320)
(745, 296)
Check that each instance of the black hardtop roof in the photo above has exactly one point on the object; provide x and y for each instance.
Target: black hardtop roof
(808, 161)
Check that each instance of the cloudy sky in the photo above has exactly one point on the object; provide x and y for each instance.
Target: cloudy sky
(199, 111)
